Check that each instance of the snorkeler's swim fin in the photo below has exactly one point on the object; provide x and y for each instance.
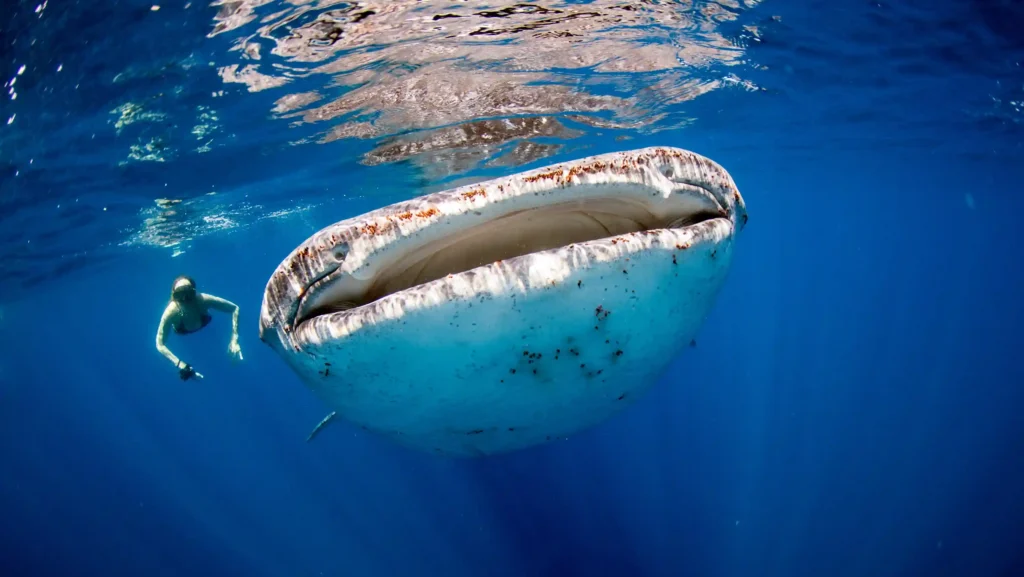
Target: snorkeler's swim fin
(319, 426)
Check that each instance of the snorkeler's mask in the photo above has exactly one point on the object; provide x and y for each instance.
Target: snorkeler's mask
(183, 291)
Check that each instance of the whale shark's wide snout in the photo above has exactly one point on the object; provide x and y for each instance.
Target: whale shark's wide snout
(452, 283)
(360, 260)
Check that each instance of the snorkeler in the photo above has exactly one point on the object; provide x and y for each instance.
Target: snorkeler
(187, 312)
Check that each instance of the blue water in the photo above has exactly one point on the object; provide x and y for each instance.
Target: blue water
(852, 406)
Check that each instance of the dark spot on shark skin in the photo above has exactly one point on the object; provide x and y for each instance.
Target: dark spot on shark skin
(622, 396)
(475, 432)
(693, 342)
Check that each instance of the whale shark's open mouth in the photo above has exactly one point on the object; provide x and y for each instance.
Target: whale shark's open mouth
(363, 260)
(516, 234)
(505, 314)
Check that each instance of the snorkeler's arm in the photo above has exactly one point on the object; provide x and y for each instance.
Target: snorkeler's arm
(227, 307)
(161, 333)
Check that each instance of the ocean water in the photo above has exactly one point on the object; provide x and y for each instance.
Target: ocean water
(853, 403)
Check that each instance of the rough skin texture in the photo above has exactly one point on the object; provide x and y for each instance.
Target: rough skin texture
(513, 353)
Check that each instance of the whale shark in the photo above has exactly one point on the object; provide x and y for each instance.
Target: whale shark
(505, 314)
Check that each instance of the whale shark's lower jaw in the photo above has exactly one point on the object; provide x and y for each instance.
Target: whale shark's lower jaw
(506, 314)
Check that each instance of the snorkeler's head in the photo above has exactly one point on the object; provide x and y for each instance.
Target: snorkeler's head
(183, 289)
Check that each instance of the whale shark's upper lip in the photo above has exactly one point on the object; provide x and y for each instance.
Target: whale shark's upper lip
(363, 259)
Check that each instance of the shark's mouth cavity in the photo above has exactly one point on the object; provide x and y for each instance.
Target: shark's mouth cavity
(510, 235)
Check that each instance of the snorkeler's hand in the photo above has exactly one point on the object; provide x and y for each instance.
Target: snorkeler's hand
(187, 372)
(234, 349)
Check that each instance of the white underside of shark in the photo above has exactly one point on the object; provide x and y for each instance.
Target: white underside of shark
(505, 314)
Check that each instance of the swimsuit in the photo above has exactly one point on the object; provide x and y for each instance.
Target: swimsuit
(179, 327)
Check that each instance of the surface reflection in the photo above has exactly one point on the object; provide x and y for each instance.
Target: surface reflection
(453, 85)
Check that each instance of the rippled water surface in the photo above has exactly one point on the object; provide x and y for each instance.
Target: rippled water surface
(135, 125)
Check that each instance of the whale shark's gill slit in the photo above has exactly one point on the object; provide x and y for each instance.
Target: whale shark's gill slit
(295, 319)
(508, 236)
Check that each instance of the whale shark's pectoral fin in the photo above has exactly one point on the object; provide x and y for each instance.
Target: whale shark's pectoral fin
(320, 426)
